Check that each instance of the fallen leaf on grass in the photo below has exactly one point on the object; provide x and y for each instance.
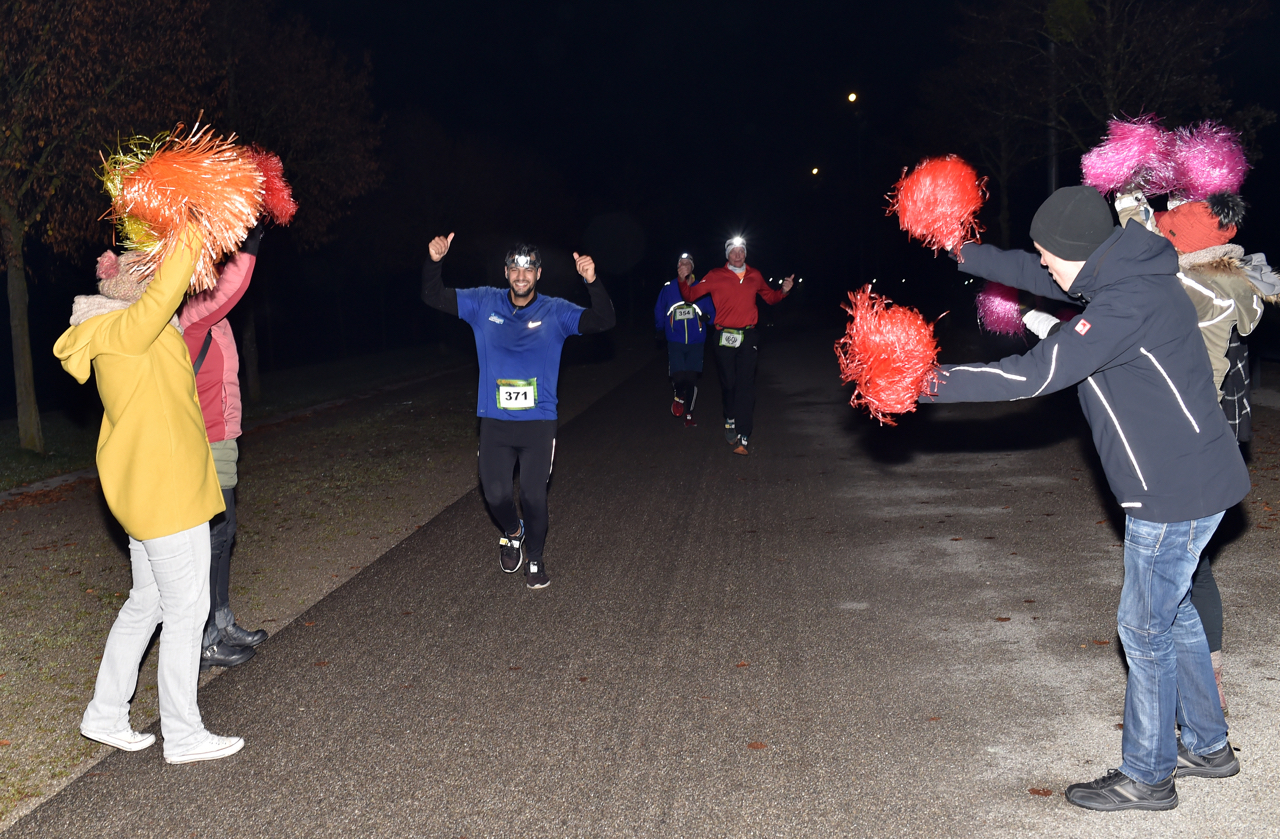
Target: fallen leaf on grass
(322, 664)
(957, 538)
(743, 664)
(5, 743)
(756, 744)
(1038, 791)
(1002, 620)
(934, 719)
(1101, 643)
(309, 623)
(1028, 601)
(582, 678)
(514, 667)
(1119, 726)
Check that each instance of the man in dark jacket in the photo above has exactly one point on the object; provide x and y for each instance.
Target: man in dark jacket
(1147, 390)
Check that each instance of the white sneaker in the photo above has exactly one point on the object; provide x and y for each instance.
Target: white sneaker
(127, 740)
(211, 749)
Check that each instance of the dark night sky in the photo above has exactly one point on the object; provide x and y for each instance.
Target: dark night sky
(696, 120)
(699, 120)
(633, 131)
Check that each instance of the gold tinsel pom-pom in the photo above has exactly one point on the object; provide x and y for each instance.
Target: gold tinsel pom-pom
(159, 185)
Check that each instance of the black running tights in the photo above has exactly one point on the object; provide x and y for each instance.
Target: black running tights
(532, 445)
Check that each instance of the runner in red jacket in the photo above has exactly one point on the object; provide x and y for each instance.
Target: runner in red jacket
(733, 289)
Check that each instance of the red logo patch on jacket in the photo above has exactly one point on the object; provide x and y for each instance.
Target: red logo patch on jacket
(1082, 327)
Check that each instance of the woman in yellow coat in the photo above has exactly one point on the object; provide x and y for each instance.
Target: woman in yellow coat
(158, 476)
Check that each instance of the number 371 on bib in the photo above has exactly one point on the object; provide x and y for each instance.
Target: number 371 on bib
(517, 394)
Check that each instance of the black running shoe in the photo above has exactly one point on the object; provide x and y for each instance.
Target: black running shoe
(1117, 791)
(730, 433)
(536, 575)
(1220, 764)
(511, 551)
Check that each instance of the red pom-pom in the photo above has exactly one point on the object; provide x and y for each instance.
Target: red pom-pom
(888, 352)
(938, 203)
(277, 200)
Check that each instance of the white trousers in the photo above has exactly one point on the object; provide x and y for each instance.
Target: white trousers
(170, 587)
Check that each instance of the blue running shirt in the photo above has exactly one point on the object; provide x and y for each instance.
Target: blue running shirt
(518, 351)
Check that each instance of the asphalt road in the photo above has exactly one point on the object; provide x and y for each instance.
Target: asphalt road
(856, 631)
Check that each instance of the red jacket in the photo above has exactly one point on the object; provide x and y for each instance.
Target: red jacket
(734, 296)
(218, 382)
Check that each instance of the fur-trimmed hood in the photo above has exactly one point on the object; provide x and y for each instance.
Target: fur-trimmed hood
(1230, 262)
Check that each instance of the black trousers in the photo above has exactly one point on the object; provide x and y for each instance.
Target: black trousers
(738, 379)
(222, 537)
(531, 444)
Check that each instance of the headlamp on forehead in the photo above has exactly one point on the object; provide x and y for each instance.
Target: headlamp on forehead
(524, 256)
(734, 242)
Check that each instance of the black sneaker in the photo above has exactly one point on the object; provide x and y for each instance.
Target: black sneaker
(511, 551)
(536, 575)
(730, 433)
(1117, 791)
(1220, 764)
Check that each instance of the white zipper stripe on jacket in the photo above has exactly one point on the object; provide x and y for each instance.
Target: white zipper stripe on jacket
(990, 370)
(1178, 396)
(1053, 365)
(1202, 324)
(1119, 430)
(1187, 281)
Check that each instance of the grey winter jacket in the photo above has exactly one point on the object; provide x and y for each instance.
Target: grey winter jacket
(1145, 382)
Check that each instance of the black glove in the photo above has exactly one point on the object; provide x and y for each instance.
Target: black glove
(253, 240)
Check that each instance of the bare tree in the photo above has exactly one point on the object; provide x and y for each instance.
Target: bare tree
(78, 75)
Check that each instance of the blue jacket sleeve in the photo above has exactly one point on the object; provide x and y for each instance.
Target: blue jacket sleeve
(1018, 269)
(1088, 343)
(660, 308)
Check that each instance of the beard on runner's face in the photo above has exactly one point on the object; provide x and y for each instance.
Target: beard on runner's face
(522, 281)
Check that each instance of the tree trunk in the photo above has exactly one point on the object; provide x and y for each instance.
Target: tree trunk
(29, 434)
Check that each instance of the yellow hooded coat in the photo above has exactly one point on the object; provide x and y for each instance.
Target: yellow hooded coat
(154, 462)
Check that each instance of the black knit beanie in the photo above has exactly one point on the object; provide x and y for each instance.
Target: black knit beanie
(1072, 223)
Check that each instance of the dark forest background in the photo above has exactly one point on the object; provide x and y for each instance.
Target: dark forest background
(634, 132)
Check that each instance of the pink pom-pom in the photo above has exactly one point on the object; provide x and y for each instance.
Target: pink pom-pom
(1137, 154)
(938, 202)
(277, 199)
(108, 265)
(888, 352)
(1207, 159)
(998, 309)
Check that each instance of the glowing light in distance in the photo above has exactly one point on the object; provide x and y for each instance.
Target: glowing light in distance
(853, 97)
(815, 170)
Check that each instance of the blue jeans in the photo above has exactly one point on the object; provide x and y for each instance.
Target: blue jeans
(1170, 676)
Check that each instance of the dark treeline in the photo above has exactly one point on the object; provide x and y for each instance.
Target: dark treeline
(634, 137)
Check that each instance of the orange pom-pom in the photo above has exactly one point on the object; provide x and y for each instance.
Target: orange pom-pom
(888, 352)
(202, 179)
(277, 198)
(938, 203)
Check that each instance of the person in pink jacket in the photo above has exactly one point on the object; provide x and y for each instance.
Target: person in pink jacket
(212, 347)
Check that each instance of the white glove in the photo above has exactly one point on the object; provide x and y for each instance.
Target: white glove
(1039, 322)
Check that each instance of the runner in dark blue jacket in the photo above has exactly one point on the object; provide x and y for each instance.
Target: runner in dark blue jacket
(1147, 390)
(519, 335)
(685, 325)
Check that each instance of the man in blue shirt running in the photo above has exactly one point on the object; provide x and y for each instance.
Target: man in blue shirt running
(519, 335)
